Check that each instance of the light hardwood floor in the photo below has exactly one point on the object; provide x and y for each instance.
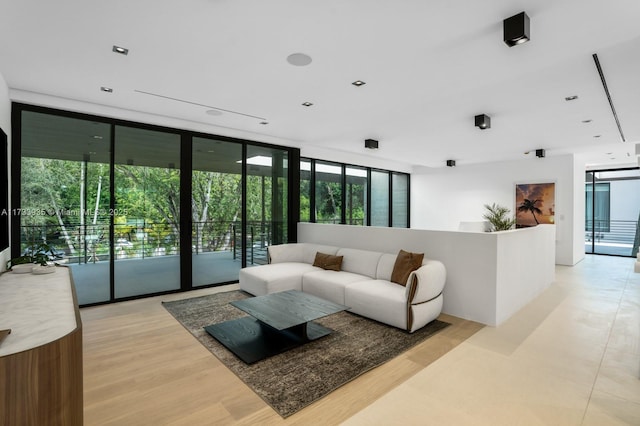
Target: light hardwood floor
(568, 358)
(142, 367)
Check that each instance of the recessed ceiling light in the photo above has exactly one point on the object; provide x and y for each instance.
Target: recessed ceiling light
(106, 89)
(299, 59)
(264, 123)
(97, 137)
(571, 98)
(307, 104)
(358, 83)
(596, 136)
(120, 50)
(587, 121)
(214, 112)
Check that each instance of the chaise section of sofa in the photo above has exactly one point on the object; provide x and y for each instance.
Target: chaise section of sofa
(363, 283)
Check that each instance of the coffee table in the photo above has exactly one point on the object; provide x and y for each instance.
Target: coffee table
(278, 322)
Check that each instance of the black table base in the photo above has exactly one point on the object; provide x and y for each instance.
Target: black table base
(252, 340)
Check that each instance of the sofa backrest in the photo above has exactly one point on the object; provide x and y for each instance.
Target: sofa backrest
(385, 266)
(361, 262)
(298, 252)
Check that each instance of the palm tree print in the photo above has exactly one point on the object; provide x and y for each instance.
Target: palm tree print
(530, 206)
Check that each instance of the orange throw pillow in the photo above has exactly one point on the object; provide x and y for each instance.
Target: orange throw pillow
(406, 263)
(328, 262)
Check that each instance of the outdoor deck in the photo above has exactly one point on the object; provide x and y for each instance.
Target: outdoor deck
(139, 276)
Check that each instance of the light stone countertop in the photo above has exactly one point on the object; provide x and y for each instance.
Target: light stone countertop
(37, 308)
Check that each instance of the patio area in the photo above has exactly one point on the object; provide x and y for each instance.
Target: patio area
(133, 277)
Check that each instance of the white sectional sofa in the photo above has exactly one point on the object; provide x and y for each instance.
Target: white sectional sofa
(363, 283)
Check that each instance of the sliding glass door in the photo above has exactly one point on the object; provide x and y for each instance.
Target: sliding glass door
(267, 188)
(138, 210)
(65, 197)
(216, 211)
(612, 212)
(147, 212)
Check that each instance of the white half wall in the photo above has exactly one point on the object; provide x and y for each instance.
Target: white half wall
(442, 198)
(490, 276)
(5, 124)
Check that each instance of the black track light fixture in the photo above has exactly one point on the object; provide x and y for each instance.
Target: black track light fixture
(371, 143)
(483, 121)
(451, 163)
(540, 153)
(516, 29)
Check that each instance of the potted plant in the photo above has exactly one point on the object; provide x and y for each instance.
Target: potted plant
(36, 259)
(498, 217)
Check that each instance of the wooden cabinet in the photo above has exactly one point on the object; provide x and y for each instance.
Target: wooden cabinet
(41, 360)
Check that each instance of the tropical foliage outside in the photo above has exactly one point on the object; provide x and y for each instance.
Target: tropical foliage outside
(66, 203)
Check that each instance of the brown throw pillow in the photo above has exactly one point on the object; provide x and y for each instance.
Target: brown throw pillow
(406, 263)
(327, 261)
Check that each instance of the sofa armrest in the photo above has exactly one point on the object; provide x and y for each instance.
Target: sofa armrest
(426, 283)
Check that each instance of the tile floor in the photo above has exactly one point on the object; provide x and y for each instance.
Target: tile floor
(571, 357)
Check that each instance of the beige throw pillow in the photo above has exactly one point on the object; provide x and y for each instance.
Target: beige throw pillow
(406, 262)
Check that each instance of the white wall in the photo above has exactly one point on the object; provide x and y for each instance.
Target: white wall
(625, 200)
(442, 198)
(5, 124)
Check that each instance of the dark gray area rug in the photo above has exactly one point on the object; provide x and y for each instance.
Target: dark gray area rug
(292, 380)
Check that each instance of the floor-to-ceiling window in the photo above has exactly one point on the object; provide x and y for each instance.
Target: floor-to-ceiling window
(354, 195)
(216, 210)
(328, 200)
(305, 190)
(147, 211)
(612, 212)
(379, 198)
(65, 197)
(267, 186)
(399, 200)
(138, 209)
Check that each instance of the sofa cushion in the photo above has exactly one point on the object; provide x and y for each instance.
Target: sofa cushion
(405, 264)
(330, 285)
(327, 261)
(265, 279)
(361, 262)
(380, 300)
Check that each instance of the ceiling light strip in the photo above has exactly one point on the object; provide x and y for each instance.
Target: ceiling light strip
(606, 90)
(197, 104)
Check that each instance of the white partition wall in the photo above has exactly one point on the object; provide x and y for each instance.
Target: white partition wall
(490, 276)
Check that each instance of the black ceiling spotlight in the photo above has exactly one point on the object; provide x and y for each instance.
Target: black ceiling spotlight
(371, 143)
(451, 163)
(540, 153)
(483, 121)
(516, 29)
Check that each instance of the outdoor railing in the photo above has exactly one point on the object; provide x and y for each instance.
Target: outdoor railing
(611, 231)
(91, 243)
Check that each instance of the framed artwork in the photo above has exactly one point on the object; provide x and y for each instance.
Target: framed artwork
(535, 204)
(4, 192)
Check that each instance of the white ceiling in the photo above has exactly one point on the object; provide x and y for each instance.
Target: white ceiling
(430, 67)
